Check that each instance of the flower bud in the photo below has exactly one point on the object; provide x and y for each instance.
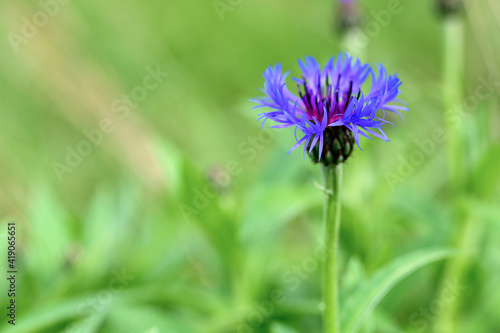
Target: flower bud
(338, 144)
(449, 7)
(348, 15)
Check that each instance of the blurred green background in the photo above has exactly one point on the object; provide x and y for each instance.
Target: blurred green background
(114, 236)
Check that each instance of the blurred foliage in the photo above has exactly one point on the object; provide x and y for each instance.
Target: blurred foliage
(121, 245)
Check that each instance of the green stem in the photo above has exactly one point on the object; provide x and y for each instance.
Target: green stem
(453, 78)
(469, 235)
(356, 51)
(332, 177)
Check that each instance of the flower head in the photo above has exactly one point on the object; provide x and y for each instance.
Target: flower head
(331, 110)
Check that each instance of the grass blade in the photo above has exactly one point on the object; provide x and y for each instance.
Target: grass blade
(364, 300)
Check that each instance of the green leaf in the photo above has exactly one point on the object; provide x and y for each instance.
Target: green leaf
(49, 235)
(276, 207)
(485, 179)
(277, 327)
(353, 277)
(364, 300)
(171, 163)
(46, 316)
(128, 318)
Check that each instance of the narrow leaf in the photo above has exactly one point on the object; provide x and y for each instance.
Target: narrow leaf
(364, 300)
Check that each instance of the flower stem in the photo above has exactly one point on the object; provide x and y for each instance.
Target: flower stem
(332, 177)
(453, 78)
(464, 236)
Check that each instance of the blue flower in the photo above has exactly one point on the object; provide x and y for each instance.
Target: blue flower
(331, 111)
